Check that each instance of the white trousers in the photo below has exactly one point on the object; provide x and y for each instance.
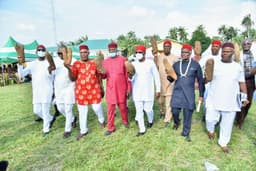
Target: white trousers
(66, 110)
(83, 115)
(146, 106)
(226, 124)
(43, 111)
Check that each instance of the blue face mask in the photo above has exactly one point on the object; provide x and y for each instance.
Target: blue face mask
(41, 54)
(112, 54)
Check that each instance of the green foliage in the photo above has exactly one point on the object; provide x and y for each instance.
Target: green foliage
(178, 33)
(160, 148)
(200, 35)
(227, 32)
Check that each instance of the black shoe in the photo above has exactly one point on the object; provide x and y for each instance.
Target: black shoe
(3, 165)
(52, 121)
(127, 125)
(140, 134)
(150, 125)
(38, 119)
(162, 116)
(45, 134)
(74, 122)
(66, 134)
(107, 133)
(188, 139)
(167, 124)
(175, 126)
(80, 136)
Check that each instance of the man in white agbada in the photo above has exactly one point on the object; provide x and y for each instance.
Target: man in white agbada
(143, 89)
(212, 53)
(224, 92)
(64, 90)
(42, 86)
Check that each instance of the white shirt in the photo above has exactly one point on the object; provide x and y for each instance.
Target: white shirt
(42, 81)
(224, 89)
(143, 81)
(64, 88)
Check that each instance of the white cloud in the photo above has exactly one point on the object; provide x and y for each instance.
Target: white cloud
(26, 26)
(136, 11)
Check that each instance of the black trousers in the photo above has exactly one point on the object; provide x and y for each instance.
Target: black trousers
(240, 116)
(187, 119)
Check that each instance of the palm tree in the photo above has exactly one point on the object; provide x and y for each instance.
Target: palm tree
(173, 33)
(182, 34)
(247, 23)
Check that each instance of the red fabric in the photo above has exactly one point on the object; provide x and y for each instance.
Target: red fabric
(111, 115)
(112, 45)
(117, 80)
(216, 42)
(167, 42)
(140, 48)
(87, 87)
(187, 46)
(83, 47)
(41, 47)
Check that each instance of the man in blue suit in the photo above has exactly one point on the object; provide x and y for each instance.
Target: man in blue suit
(183, 97)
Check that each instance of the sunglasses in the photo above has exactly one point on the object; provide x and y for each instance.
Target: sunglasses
(138, 52)
(59, 53)
(41, 50)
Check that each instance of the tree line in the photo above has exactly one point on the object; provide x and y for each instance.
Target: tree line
(127, 41)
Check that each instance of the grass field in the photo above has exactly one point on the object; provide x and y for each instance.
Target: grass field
(22, 144)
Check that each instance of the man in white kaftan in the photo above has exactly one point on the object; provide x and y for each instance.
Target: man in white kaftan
(143, 89)
(64, 90)
(42, 87)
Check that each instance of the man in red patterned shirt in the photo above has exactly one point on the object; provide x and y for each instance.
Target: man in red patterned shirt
(87, 89)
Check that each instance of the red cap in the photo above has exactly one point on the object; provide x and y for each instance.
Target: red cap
(187, 46)
(112, 45)
(167, 42)
(141, 48)
(228, 44)
(41, 47)
(216, 42)
(82, 47)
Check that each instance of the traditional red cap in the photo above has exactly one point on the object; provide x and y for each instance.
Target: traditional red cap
(228, 44)
(141, 48)
(216, 42)
(167, 42)
(41, 47)
(187, 46)
(112, 45)
(83, 47)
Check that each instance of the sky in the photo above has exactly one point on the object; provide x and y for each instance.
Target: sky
(51, 21)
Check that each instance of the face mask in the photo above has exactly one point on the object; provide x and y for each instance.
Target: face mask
(41, 54)
(112, 54)
(139, 56)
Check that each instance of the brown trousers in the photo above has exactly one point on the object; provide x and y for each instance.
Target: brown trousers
(240, 116)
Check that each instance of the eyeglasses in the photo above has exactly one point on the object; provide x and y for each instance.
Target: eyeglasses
(59, 53)
(84, 52)
(184, 52)
(41, 50)
(138, 52)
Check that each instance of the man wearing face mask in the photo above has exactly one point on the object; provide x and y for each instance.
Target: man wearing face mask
(118, 87)
(247, 60)
(64, 91)
(183, 96)
(87, 89)
(144, 83)
(166, 86)
(42, 85)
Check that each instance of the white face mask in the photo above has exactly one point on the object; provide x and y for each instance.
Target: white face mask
(139, 56)
(41, 54)
(112, 54)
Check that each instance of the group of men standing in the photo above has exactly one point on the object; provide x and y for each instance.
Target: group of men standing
(80, 81)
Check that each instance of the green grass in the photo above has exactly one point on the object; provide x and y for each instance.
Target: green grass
(22, 144)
